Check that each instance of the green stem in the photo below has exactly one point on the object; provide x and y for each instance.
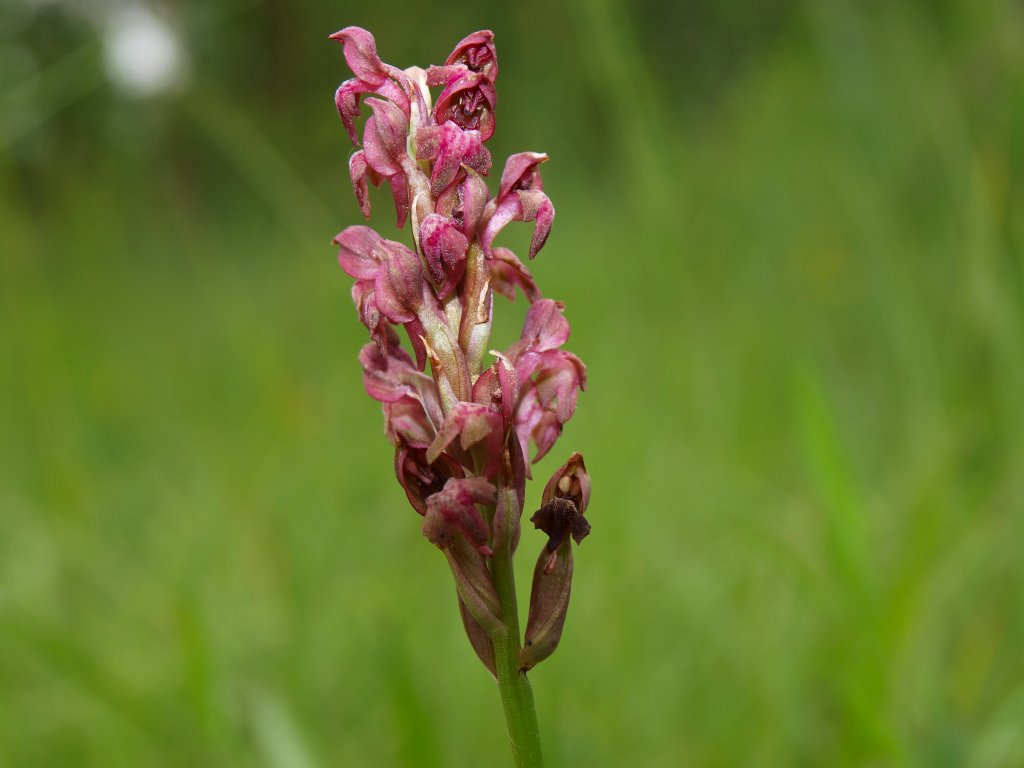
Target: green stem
(516, 694)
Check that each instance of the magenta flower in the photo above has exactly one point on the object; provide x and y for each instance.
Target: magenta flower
(462, 426)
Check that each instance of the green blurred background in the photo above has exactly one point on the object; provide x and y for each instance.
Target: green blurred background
(790, 239)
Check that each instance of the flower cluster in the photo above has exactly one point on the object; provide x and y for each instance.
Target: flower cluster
(463, 431)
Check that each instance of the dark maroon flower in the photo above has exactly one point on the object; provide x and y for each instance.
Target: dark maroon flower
(468, 100)
(564, 503)
(420, 478)
(565, 499)
(477, 53)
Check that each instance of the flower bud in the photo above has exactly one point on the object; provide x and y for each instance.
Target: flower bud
(549, 603)
(478, 638)
(452, 512)
(384, 138)
(356, 252)
(444, 249)
(399, 282)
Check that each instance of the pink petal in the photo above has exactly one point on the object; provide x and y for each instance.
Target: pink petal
(356, 251)
(361, 55)
(388, 376)
(346, 99)
(545, 327)
(407, 420)
(536, 206)
(400, 194)
(507, 272)
(360, 171)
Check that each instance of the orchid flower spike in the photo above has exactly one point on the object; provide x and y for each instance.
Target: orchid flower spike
(462, 417)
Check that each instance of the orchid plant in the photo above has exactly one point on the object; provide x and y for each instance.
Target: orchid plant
(462, 432)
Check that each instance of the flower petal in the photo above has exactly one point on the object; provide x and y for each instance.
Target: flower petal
(507, 272)
(361, 55)
(356, 251)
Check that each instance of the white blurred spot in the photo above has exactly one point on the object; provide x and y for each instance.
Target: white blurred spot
(143, 53)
